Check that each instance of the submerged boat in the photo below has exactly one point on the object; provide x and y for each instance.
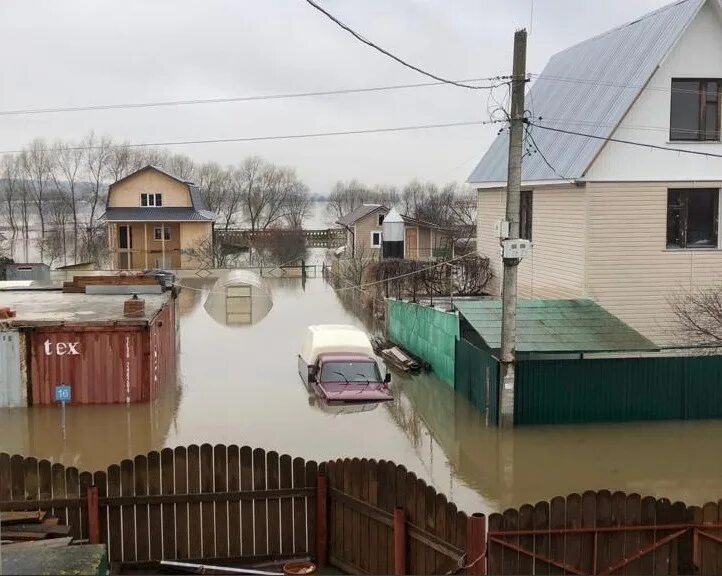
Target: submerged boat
(337, 363)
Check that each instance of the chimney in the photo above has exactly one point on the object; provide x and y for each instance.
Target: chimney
(134, 307)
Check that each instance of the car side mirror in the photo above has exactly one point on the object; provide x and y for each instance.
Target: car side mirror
(387, 378)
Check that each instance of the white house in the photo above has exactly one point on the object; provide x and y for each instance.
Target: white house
(629, 226)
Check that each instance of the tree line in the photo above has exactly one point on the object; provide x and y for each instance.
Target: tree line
(61, 188)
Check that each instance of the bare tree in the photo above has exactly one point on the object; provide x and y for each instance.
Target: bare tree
(247, 181)
(699, 314)
(60, 214)
(97, 160)
(36, 165)
(298, 205)
(66, 169)
(9, 177)
(214, 182)
(180, 166)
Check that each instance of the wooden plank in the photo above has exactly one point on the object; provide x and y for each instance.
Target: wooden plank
(45, 480)
(355, 491)
(32, 488)
(420, 508)
(388, 503)
(452, 516)
(540, 522)
(127, 488)
(462, 523)
(17, 476)
(142, 520)
(681, 560)
(5, 478)
(59, 490)
(246, 505)
(72, 487)
(662, 555)
(21, 517)
(443, 563)
(401, 500)
(311, 520)
(274, 506)
(115, 522)
(180, 461)
(589, 519)
(220, 484)
(718, 533)
(526, 522)
(260, 512)
(510, 563)
(573, 554)
(195, 544)
(603, 520)
(38, 529)
(234, 508)
(154, 510)
(86, 481)
(619, 518)
(557, 542)
(167, 486)
(286, 505)
(100, 481)
(349, 516)
(207, 520)
(647, 537)
(709, 549)
(40, 544)
(429, 525)
(631, 538)
(364, 560)
(373, 499)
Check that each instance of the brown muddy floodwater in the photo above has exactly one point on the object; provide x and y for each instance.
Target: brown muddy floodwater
(240, 385)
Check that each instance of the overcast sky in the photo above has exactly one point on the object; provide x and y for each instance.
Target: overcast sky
(80, 52)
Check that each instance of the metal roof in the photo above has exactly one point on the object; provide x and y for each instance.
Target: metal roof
(555, 326)
(608, 72)
(357, 213)
(165, 214)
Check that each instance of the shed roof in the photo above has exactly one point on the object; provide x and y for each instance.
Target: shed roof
(359, 212)
(592, 84)
(555, 326)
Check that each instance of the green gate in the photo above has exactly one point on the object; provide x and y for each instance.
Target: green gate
(477, 378)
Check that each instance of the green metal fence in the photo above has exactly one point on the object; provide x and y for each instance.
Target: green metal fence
(426, 332)
(477, 378)
(618, 390)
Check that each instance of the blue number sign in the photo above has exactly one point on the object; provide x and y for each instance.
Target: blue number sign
(63, 393)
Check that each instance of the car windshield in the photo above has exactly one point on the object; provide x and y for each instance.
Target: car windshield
(349, 371)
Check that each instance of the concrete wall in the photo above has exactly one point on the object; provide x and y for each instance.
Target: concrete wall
(127, 193)
(556, 268)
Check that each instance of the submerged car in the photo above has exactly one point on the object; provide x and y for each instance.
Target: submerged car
(337, 363)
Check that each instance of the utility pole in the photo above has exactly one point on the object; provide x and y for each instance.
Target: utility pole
(513, 193)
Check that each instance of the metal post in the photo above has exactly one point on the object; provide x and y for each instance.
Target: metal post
(476, 545)
(513, 192)
(321, 519)
(93, 515)
(399, 541)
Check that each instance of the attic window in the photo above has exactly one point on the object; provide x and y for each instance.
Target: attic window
(153, 200)
(695, 110)
(381, 219)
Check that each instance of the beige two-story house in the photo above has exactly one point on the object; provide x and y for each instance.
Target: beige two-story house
(623, 170)
(156, 220)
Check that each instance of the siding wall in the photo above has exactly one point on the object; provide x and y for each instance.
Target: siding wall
(191, 234)
(629, 270)
(556, 268)
(362, 230)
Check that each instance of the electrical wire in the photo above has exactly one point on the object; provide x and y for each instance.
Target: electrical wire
(165, 103)
(269, 138)
(628, 142)
(527, 130)
(385, 52)
(592, 82)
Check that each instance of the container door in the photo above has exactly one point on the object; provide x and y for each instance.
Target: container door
(11, 393)
(412, 244)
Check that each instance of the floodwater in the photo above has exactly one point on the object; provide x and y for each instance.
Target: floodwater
(239, 384)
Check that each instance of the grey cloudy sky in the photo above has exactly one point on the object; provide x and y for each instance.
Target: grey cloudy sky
(78, 52)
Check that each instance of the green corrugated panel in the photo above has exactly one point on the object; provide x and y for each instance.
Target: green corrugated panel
(477, 378)
(427, 332)
(618, 390)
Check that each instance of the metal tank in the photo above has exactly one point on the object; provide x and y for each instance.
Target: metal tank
(393, 235)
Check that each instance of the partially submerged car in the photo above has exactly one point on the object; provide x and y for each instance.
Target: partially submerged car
(337, 363)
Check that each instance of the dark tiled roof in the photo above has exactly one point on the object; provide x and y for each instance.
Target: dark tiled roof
(157, 215)
(197, 199)
(361, 212)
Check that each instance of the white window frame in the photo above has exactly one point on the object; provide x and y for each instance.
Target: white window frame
(380, 238)
(154, 196)
(159, 237)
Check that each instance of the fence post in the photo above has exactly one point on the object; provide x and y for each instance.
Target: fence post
(321, 519)
(399, 541)
(93, 515)
(476, 545)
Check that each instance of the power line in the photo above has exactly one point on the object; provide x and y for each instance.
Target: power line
(231, 99)
(594, 82)
(268, 138)
(536, 146)
(629, 142)
(396, 58)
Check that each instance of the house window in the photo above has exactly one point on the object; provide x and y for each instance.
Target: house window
(695, 110)
(381, 219)
(692, 218)
(154, 200)
(526, 206)
(375, 239)
(158, 232)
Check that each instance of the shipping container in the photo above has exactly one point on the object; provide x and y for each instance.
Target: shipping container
(36, 271)
(13, 392)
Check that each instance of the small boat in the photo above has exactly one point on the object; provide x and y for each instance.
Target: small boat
(337, 363)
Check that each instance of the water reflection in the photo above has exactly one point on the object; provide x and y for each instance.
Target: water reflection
(238, 298)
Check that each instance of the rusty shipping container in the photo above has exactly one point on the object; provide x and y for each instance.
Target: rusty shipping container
(90, 344)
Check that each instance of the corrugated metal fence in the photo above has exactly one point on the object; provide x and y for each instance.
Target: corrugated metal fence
(477, 378)
(11, 384)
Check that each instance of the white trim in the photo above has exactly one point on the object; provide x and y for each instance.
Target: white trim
(380, 238)
(161, 229)
(532, 183)
(148, 196)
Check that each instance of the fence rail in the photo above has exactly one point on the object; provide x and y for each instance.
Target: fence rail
(324, 238)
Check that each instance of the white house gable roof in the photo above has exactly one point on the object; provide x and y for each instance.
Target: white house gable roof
(589, 88)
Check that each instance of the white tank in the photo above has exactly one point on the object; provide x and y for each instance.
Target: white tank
(393, 227)
(239, 297)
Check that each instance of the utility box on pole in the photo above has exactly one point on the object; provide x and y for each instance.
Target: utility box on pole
(511, 245)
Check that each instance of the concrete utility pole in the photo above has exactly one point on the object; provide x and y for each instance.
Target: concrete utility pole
(513, 193)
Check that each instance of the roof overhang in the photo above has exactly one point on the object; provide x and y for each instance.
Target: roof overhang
(528, 184)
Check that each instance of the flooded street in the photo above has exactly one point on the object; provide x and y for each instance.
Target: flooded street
(239, 385)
